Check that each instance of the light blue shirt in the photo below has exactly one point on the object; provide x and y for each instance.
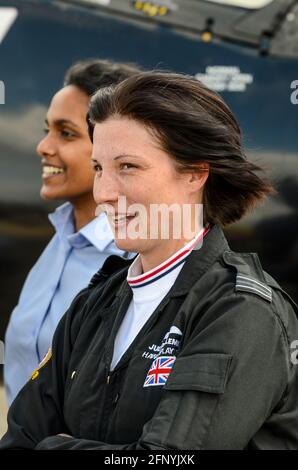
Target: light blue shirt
(63, 269)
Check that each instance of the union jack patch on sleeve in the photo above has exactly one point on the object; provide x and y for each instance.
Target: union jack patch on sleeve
(159, 371)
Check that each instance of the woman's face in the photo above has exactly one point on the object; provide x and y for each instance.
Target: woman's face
(66, 148)
(129, 162)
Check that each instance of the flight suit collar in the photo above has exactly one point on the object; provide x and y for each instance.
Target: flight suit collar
(213, 246)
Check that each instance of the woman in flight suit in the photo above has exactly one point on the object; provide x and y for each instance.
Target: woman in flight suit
(189, 345)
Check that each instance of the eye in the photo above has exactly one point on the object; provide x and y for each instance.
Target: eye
(97, 168)
(66, 134)
(45, 130)
(127, 166)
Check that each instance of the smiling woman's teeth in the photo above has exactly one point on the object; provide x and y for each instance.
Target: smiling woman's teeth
(119, 218)
(52, 170)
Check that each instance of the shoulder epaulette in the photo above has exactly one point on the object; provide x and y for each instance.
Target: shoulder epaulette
(252, 285)
(250, 276)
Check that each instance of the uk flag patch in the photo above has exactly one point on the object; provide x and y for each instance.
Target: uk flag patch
(159, 371)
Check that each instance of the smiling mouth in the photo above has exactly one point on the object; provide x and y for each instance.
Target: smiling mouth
(49, 170)
(122, 218)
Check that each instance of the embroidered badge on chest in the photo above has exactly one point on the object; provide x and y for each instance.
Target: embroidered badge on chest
(169, 346)
(159, 371)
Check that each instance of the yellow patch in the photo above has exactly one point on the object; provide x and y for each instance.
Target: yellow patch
(35, 374)
(42, 364)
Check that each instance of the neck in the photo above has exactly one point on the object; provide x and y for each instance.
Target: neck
(84, 211)
(164, 251)
(166, 248)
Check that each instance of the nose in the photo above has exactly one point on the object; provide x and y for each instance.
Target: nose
(105, 188)
(46, 147)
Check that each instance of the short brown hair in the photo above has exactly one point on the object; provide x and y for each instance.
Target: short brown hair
(193, 125)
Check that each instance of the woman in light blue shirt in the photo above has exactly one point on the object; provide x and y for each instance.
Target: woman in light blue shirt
(82, 242)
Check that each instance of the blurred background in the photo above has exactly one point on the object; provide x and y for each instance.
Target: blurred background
(245, 50)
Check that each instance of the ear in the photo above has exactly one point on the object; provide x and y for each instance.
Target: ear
(198, 177)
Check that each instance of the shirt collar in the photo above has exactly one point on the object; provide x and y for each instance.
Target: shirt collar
(62, 220)
(136, 278)
(97, 232)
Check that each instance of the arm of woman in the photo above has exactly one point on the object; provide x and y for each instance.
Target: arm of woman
(37, 410)
(229, 377)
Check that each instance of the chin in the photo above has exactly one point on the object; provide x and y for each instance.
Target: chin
(49, 195)
(128, 245)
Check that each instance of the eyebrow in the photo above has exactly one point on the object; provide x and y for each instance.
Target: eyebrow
(118, 157)
(62, 122)
(123, 155)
